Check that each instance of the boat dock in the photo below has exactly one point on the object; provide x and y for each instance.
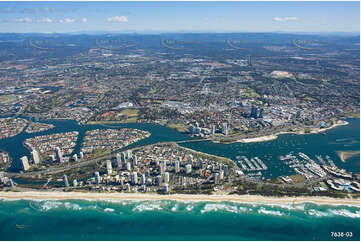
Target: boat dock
(252, 164)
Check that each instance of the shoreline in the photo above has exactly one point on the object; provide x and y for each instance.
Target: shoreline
(275, 136)
(247, 199)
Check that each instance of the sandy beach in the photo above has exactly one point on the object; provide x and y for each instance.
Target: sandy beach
(275, 136)
(254, 199)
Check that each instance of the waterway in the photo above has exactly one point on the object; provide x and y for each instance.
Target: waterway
(326, 143)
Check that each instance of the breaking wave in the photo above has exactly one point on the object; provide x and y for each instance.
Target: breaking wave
(302, 210)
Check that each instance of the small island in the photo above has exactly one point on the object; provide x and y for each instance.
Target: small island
(38, 127)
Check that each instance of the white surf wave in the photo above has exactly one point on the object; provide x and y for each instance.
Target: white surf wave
(313, 212)
(72, 206)
(109, 210)
(147, 207)
(216, 207)
(263, 210)
(175, 208)
(48, 205)
(189, 207)
(345, 213)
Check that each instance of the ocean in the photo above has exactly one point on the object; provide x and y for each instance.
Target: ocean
(173, 220)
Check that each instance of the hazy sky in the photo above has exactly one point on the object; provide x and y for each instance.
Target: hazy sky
(179, 16)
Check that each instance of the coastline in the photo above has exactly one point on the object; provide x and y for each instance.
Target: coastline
(275, 136)
(247, 199)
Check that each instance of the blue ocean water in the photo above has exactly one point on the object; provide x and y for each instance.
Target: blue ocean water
(173, 220)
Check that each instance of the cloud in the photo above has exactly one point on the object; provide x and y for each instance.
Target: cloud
(84, 20)
(23, 20)
(67, 20)
(43, 10)
(285, 19)
(117, 19)
(46, 20)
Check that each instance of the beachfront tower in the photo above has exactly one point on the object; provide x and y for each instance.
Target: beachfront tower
(142, 179)
(59, 155)
(225, 169)
(158, 180)
(123, 157)
(216, 178)
(25, 163)
(129, 166)
(177, 166)
(65, 179)
(119, 161)
(166, 188)
(134, 178)
(35, 156)
(188, 168)
(109, 167)
(129, 154)
(166, 177)
(135, 160)
(97, 177)
(163, 166)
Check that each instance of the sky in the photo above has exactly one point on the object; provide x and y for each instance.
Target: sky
(66, 17)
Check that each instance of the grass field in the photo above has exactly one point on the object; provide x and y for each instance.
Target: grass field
(7, 98)
(130, 112)
(178, 127)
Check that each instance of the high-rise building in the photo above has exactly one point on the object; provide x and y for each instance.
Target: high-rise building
(25, 163)
(177, 166)
(135, 160)
(166, 188)
(249, 60)
(59, 155)
(97, 177)
(129, 167)
(166, 177)
(225, 128)
(188, 168)
(11, 183)
(35, 156)
(75, 183)
(134, 178)
(163, 167)
(213, 129)
(81, 155)
(261, 113)
(119, 161)
(75, 157)
(109, 167)
(127, 187)
(158, 180)
(142, 179)
(129, 154)
(52, 157)
(216, 178)
(253, 112)
(65, 179)
(225, 169)
(123, 157)
(221, 174)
